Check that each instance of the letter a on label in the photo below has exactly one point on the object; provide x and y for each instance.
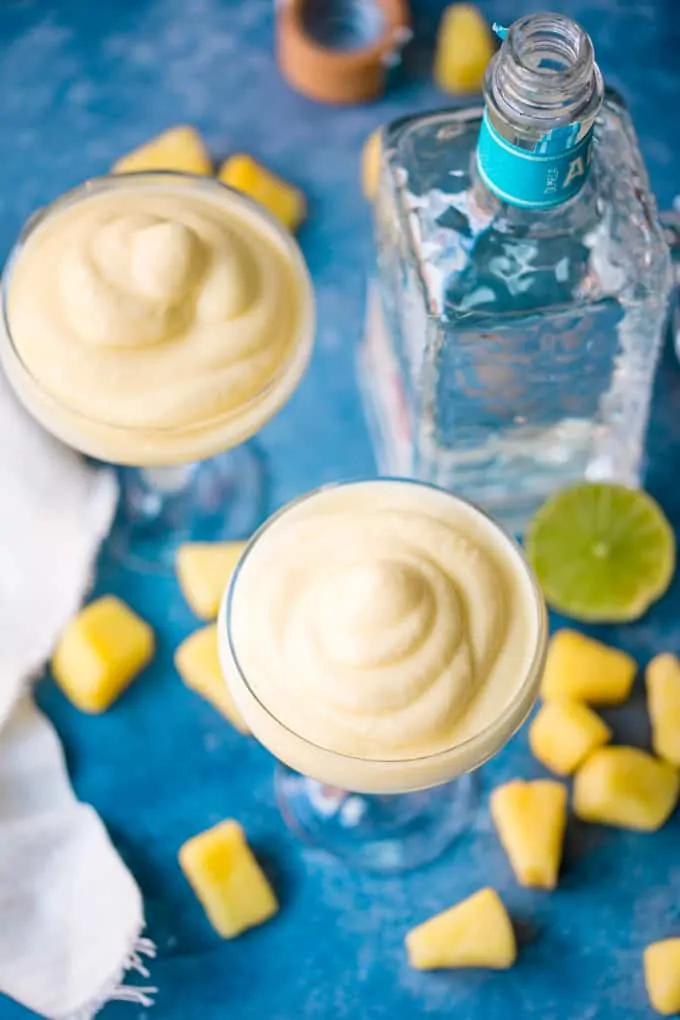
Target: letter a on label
(576, 169)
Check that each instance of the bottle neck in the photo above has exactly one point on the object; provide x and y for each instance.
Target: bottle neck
(543, 91)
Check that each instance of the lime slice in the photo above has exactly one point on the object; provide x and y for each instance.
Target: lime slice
(602, 553)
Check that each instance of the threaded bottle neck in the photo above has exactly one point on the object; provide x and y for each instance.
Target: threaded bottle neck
(543, 91)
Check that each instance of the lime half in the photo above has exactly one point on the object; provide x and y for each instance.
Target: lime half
(602, 553)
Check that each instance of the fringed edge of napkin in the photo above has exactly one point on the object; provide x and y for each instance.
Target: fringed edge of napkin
(116, 990)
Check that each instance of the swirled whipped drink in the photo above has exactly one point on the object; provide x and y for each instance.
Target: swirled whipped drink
(156, 318)
(385, 623)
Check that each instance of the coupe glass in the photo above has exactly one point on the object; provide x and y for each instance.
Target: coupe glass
(381, 815)
(202, 482)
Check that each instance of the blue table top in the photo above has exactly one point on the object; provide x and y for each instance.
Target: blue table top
(81, 83)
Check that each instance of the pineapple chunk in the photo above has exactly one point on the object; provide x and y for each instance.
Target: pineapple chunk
(198, 663)
(564, 733)
(284, 201)
(464, 48)
(662, 976)
(626, 787)
(179, 148)
(582, 669)
(531, 819)
(222, 870)
(203, 572)
(663, 700)
(475, 933)
(100, 652)
(370, 164)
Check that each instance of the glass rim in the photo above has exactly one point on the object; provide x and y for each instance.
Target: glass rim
(301, 351)
(533, 672)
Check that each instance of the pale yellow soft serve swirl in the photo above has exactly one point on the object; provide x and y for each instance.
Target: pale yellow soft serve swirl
(155, 309)
(371, 632)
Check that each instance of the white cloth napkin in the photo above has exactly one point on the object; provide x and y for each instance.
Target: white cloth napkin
(70, 912)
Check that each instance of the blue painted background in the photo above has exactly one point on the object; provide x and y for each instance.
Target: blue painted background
(80, 83)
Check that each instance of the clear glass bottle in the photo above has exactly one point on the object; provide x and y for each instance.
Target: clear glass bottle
(522, 284)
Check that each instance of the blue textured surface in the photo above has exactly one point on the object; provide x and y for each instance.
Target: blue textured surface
(80, 83)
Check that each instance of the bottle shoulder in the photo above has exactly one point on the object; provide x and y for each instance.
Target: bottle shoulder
(478, 255)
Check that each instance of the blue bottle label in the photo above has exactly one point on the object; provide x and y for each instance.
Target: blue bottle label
(552, 174)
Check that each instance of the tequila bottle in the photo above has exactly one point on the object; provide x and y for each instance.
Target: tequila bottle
(522, 284)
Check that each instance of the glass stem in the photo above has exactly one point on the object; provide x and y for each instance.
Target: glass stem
(168, 480)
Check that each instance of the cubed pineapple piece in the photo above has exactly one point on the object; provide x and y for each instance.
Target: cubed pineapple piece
(662, 975)
(284, 201)
(203, 572)
(530, 819)
(626, 787)
(582, 669)
(100, 652)
(464, 48)
(564, 733)
(663, 700)
(475, 933)
(222, 870)
(179, 148)
(198, 663)
(370, 164)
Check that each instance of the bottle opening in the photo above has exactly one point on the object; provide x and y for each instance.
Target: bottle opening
(550, 45)
(545, 71)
